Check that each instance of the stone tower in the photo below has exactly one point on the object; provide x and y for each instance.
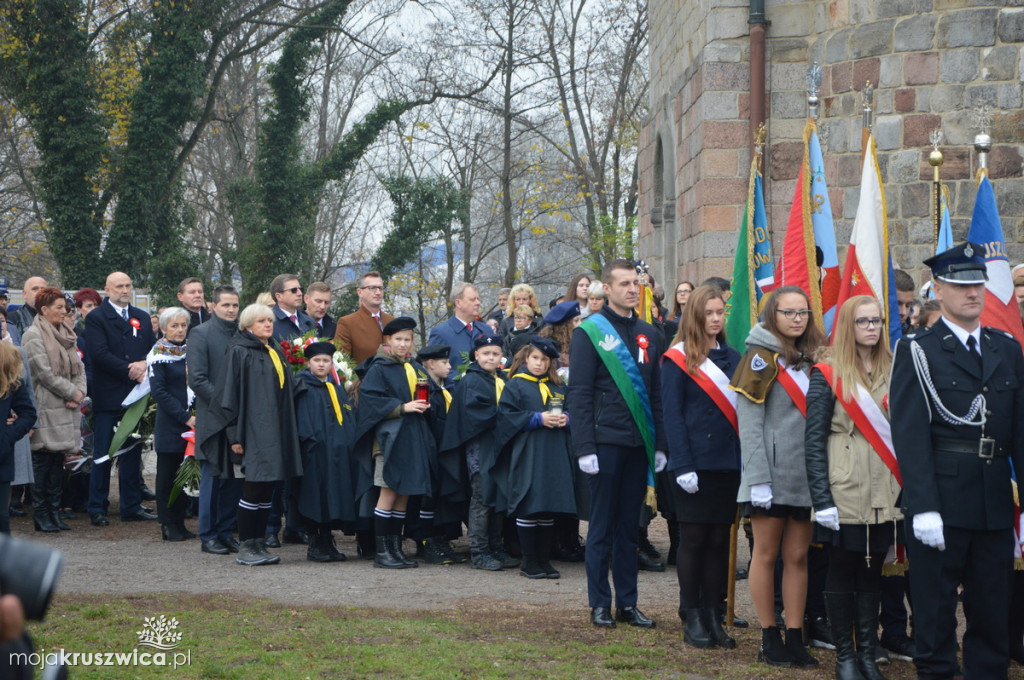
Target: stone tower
(932, 62)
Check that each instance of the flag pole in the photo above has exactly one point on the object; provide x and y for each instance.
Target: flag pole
(867, 120)
(982, 145)
(935, 159)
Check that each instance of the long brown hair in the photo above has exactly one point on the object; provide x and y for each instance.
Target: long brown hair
(812, 337)
(10, 369)
(570, 292)
(844, 357)
(559, 332)
(691, 327)
(520, 358)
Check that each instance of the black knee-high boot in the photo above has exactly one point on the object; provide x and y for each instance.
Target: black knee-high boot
(867, 635)
(840, 608)
(530, 568)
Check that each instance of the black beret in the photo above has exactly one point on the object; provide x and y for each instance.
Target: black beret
(545, 345)
(433, 352)
(317, 348)
(398, 324)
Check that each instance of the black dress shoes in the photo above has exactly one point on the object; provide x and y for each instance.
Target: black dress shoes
(215, 547)
(647, 562)
(634, 617)
(294, 537)
(602, 617)
(230, 543)
(99, 520)
(147, 493)
(272, 541)
(139, 515)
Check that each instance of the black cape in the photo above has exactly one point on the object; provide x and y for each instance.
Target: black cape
(407, 442)
(540, 462)
(250, 408)
(325, 494)
(471, 418)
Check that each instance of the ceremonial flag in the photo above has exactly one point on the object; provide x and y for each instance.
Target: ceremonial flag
(868, 269)
(753, 269)
(945, 238)
(1001, 309)
(809, 258)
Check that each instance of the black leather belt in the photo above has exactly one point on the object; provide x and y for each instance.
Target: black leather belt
(966, 446)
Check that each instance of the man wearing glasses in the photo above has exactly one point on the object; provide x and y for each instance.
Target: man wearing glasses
(289, 320)
(360, 332)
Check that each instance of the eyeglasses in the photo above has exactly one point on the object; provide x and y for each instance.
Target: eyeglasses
(794, 313)
(521, 318)
(868, 322)
(372, 289)
(293, 291)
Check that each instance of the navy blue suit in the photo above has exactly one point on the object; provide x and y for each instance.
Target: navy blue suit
(603, 425)
(455, 334)
(111, 344)
(284, 329)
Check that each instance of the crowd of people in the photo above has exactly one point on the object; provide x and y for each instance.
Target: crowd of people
(850, 467)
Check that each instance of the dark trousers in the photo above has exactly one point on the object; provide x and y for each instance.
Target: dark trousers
(616, 495)
(281, 507)
(5, 510)
(130, 462)
(983, 562)
(218, 503)
(48, 471)
(167, 465)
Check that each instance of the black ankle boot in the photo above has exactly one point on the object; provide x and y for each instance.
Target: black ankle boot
(840, 615)
(170, 533)
(797, 650)
(315, 551)
(867, 635)
(396, 550)
(44, 522)
(695, 628)
(773, 650)
(718, 634)
(384, 557)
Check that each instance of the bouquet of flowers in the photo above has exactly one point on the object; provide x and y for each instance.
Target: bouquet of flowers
(344, 367)
(295, 350)
(189, 474)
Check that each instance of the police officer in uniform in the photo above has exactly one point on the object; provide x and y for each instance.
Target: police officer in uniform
(957, 406)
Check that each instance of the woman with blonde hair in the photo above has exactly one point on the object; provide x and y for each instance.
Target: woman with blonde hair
(17, 417)
(853, 477)
(772, 381)
(521, 294)
(58, 379)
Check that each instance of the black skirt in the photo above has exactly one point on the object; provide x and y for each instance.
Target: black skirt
(714, 502)
(872, 538)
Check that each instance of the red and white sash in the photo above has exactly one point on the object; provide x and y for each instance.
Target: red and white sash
(712, 380)
(795, 382)
(869, 419)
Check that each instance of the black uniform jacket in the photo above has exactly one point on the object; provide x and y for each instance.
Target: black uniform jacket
(326, 491)
(407, 442)
(471, 418)
(539, 462)
(969, 491)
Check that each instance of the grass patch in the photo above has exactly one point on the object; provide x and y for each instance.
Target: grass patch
(232, 638)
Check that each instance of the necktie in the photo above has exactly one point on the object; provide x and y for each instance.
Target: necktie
(972, 347)
(469, 328)
(295, 319)
(376, 318)
(124, 313)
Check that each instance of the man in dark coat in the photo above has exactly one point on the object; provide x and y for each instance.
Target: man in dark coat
(318, 302)
(118, 337)
(22, 317)
(206, 359)
(462, 329)
(609, 445)
(290, 321)
(193, 300)
(957, 401)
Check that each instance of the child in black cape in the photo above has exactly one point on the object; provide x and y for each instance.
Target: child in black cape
(325, 494)
(396, 427)
(469, 454)
(533, 433)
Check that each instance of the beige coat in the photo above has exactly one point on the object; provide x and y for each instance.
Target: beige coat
(59, 428)
(863, 488)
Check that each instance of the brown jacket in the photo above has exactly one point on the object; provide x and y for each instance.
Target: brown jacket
(58, 428)
(359, 333)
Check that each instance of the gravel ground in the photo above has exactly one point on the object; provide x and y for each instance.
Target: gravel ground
(130, 557)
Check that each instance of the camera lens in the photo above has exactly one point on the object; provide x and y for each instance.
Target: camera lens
(30, 571)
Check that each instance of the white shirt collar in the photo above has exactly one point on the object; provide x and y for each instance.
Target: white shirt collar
(962, 335)
(119, 309)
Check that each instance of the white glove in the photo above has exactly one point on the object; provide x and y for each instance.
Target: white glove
(828, 518)
(589, 464)
(660, 461)
(761, 495)
(928, 529)
(688, 482)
